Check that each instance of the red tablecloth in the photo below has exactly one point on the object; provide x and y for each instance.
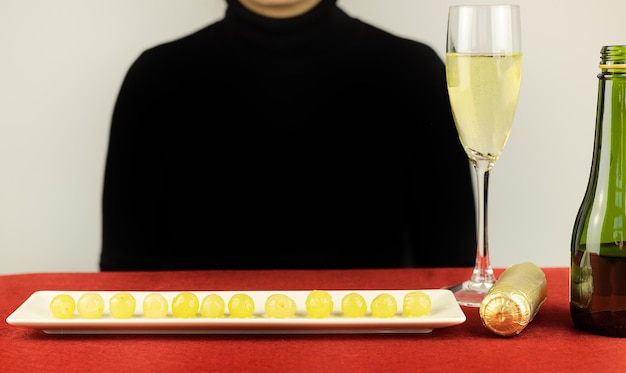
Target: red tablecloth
(549, 343)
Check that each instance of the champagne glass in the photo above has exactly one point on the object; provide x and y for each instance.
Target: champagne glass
(483, 70)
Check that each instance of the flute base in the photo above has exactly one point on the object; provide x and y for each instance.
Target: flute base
(470, 293)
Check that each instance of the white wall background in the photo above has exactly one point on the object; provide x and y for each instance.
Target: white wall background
(62, 62)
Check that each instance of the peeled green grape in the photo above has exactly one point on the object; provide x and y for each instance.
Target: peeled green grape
(353, 305)
(90, 305)
(155, 306)
(185, 305)
(384, 305)
(212, 306)
(319, 304)
(416, 303)
(241, 306)
(62, 306)
(122, 305)
(280, 306)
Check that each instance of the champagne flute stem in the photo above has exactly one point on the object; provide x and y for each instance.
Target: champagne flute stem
(483, 273)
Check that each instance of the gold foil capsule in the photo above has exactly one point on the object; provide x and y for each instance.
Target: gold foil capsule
(514, 300)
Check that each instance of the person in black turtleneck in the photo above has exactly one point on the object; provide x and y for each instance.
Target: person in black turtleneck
(286, 135)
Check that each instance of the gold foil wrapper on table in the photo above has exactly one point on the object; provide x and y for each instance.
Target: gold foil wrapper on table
(514, 300)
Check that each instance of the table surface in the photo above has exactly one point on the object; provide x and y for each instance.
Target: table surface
(549, 343)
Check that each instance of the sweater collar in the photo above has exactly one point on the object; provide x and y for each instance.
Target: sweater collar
(275, 34)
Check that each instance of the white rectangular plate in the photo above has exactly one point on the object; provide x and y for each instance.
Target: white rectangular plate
(35, 313)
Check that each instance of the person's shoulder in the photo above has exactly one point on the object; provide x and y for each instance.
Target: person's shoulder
(394, 42)
(184, 47)
(382, 41)
(184, 54)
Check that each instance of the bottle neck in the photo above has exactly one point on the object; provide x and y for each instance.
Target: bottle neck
(610, 69)
(612, 55)
(621, 66)
(612, 60)
(609, 162)
(601, 221)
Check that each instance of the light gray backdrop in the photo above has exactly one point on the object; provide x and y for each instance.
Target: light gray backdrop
(62, 62)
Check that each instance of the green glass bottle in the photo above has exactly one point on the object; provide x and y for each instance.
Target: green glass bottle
(598, 249)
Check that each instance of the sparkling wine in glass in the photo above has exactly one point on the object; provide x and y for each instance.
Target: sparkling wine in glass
(483, 70)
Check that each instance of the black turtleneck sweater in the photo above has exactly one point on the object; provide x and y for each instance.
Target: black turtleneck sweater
(313, 142)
